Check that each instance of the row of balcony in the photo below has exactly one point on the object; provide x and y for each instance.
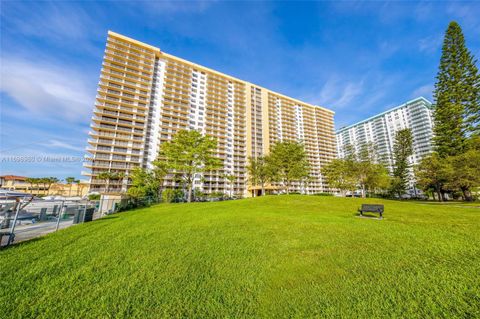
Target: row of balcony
(130, 48)
(105, 76)
(116, 135)
(130, 65)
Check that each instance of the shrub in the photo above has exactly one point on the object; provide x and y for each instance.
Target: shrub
(323, 194)
(94, 197)
(218, 195)
(172, 195)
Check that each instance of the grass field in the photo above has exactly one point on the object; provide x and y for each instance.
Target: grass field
(278, 256)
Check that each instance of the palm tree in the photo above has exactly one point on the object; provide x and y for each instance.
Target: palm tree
(36, 182)
(51, 181)
(107, 176)
(77, 181)
(70, 181)
(44, 181)
(30, 180)
(118, 175)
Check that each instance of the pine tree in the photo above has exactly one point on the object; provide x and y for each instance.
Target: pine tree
(402, 149)
(456, 95)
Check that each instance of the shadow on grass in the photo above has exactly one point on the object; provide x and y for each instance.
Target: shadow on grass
(104, 219)
(368, 216)
(21, 243)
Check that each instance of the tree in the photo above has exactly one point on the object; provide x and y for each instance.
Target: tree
(260, 171)
(159, 172)
(463, 172)
(432, 174)
(289, 161)
(340, 175)
(69, 181)
(43, 181)
(34, 181)
(456, 95)
(189, 153)
(145, 183)
(108, 176)
(51, 181)
(402, 150)
(378, 179)
(31, 181)
(365, 169)
(231, 180)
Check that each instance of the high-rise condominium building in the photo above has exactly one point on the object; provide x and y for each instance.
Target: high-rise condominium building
(145, 96)
(380, 129)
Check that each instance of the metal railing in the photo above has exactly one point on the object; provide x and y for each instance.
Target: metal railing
(28, 218)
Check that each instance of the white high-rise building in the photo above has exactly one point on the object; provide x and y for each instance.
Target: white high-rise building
(380, 129)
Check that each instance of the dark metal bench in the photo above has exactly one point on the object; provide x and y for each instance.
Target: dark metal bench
(371, 208)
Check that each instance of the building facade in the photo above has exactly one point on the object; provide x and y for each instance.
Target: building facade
(380, 130)
(23, 184)
(145, 96)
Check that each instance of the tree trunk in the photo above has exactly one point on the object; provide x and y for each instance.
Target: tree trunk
(263, 189)
(439, 195)
(443, 195)
(466, 194)
(189, 197)
(363, 191)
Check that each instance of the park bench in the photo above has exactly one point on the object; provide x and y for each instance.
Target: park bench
(371, 208)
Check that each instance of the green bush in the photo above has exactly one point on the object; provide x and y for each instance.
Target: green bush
(94, 197)
(323, 194)
(218, 195)
(172, 195)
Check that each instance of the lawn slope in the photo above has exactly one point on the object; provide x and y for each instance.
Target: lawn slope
(277, 256)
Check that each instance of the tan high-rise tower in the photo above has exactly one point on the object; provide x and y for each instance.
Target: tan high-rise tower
(145, 96)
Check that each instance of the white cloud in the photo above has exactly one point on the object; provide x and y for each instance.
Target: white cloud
(425, 91)
(335, 94)
(47, 89)
(430, 44)
(467, 14)
(52, 20)
(56, 144)
(169, 7)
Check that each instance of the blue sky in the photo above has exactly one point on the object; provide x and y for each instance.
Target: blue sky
(357, 58)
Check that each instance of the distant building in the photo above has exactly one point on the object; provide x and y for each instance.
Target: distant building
(14, 183)
(380, 129)
(21, 184)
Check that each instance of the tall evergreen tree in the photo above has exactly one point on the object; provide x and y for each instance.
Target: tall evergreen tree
(402, 149)
(456, 95)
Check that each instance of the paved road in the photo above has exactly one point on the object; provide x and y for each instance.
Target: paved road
(27, 230)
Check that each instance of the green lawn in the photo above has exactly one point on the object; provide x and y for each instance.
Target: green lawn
(277, 256)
